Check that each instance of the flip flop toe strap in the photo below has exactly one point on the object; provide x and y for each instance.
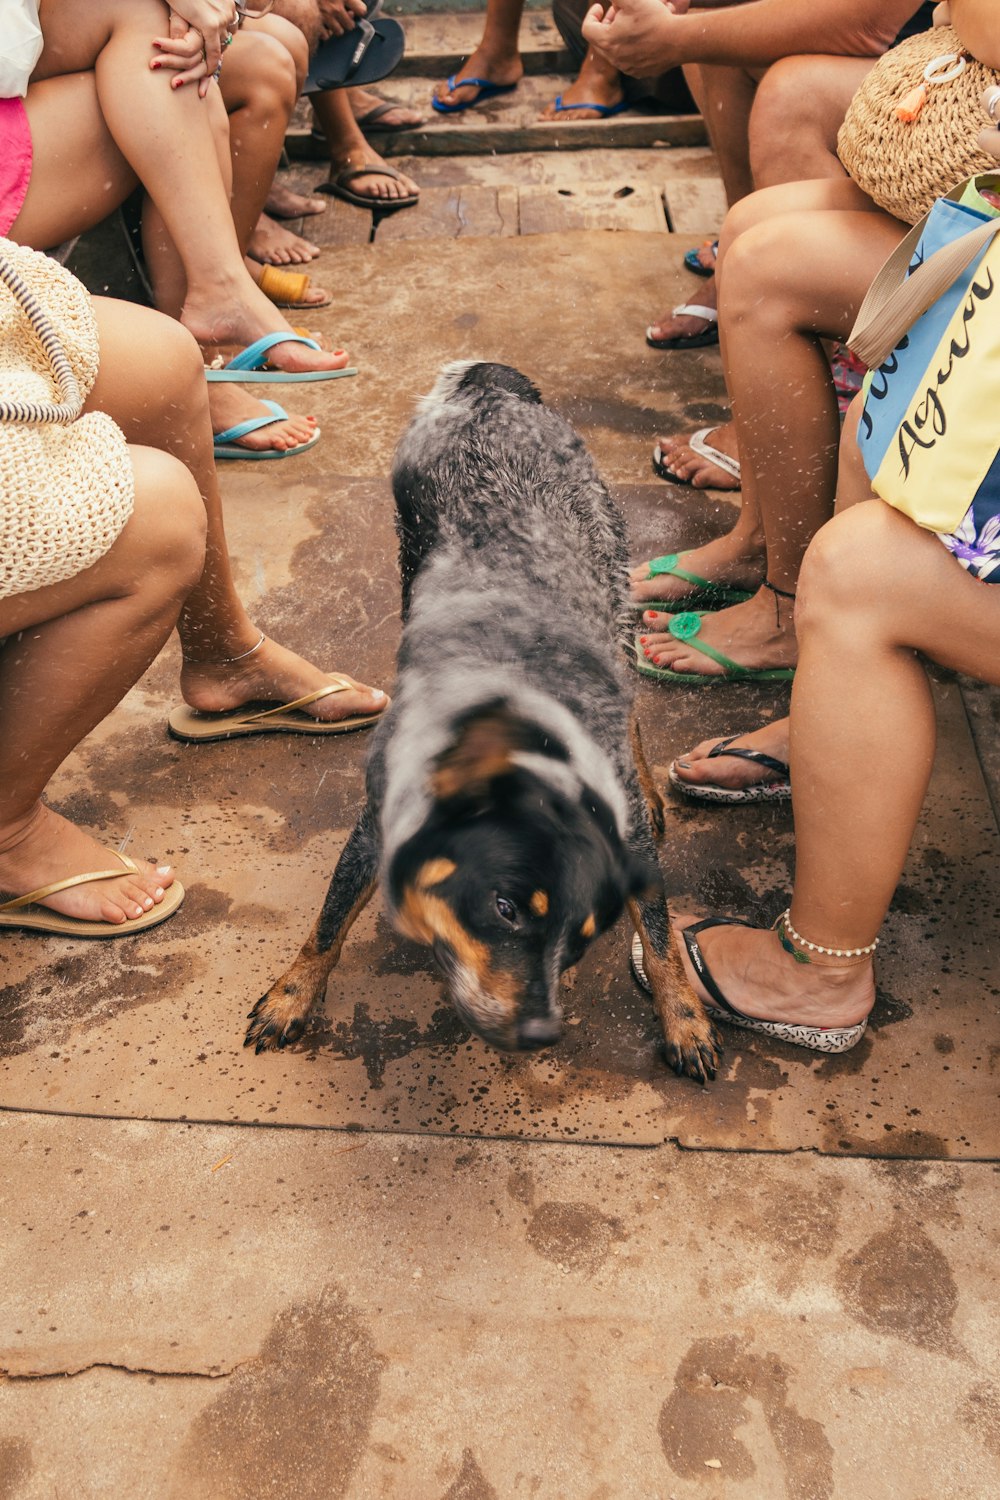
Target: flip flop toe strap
(668, 565)
(254, 356)
(757, 757)
(339, 685)
(44, 891)
(690, 936)
(252, 424)
(686, 626)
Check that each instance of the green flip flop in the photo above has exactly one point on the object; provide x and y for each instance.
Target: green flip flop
(707, 595)
(684, 628)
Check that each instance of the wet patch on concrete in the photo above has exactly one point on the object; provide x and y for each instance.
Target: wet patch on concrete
(980, 1414)
(16, 1466)
(296, 1420)
(900, 1283)
(573, 1234)
(700, 1420)
(471, 1483)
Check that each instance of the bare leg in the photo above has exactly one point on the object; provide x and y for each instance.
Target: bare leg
(165, 404)
(348, 148)
(71, 652)
(496, 58)
(800, 106)
(789, 280)
(159, 131)
(860, 625)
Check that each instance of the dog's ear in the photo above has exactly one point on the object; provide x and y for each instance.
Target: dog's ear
(483, 750)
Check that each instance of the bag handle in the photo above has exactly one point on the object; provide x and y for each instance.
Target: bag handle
(895, 301)
(71, 405)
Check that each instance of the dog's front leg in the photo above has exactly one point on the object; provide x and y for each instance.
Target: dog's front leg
(692, 1045)
(280, 1016)
(651, 794)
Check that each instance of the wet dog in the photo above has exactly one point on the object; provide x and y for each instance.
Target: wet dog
(509, 813)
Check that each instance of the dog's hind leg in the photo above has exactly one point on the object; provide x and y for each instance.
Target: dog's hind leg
(280, 1016)
(650, 791)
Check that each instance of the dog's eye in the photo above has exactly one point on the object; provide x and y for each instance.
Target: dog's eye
(507, 910)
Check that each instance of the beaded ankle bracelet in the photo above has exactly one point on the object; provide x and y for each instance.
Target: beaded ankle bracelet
(790, 937)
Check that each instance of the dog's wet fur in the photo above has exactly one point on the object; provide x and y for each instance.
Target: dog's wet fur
(509, 814)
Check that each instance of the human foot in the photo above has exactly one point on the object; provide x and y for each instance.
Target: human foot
(361, 173)
(291, 289)
(738, 768)
(273, 245)
(675, 324)
(501, 69)
(759, 977)
(231, 317)
(695, 459)
(45, 848)
(731, 561)
(596, 83)
(284, 203)
(272, 674)
(372, 112)
(754, 636)
(231, 405)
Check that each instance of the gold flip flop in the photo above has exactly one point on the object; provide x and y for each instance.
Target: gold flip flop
(24, 913)
(286, 718)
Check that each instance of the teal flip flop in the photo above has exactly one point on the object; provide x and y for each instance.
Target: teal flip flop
(684, 628)
(250, 365)
(226, 444)
(707, 595)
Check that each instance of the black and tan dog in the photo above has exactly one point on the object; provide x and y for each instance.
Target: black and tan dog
(505, 816)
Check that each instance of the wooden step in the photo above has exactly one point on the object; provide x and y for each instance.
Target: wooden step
(509, 123)
(437, 44)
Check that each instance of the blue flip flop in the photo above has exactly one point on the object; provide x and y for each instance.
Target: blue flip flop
(250, 364)
(605, 111)
(486, 89)
(225, 444)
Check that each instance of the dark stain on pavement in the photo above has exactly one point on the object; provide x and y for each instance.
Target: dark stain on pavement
(15, 1466)
(900, 1283)
(980, 1413)
(471, 1482)
(573, 1234)
(698, 1420)
(296, 1420)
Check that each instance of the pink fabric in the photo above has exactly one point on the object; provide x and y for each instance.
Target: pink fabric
(15, 160)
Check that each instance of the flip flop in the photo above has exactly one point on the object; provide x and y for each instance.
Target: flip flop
(604, 111)
(369, 121)
(692, 262)
(286, 718)
(698, 443)
(226, 444)
(486, 89)
(708, 595)
(288, 288)
(366, 53)
(250, 365)
(25, 914)
(685, 627)
(770, 791)
(703, 340)
(337, 188)
(816, 1038)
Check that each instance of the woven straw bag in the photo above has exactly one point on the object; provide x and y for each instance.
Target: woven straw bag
(905, 165)
(66, 485)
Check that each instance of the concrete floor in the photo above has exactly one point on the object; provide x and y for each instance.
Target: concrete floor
(203, 1298)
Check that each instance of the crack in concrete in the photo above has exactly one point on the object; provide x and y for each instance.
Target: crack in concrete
(215, 1372)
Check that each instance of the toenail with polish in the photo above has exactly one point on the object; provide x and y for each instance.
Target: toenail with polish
(163, 869)
(159, 891)
(684, 764)
(148, 902)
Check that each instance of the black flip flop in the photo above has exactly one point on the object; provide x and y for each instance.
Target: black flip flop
(337, 188)
(364, 55)
(773, 791)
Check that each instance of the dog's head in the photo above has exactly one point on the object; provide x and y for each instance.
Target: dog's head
(515, 870)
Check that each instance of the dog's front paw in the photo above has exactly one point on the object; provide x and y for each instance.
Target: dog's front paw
(694, 1049)
(277, 1019)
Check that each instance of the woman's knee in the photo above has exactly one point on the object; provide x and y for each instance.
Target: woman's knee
(272, 68)
(855, 565)
(168, 525)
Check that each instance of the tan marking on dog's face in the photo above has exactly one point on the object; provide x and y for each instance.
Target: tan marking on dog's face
(540, 903)
(589, 927)
(434, 872)
(428, 918)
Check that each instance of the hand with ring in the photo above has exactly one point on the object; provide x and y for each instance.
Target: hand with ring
(213, 19)
(184, 50)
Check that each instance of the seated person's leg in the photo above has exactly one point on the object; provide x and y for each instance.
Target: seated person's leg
(496, 60)
(800, 106)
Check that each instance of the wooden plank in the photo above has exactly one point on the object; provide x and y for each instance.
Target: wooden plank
(454, 213)
(546, 210)
(342, 224)
(438, 44)
(694, 202)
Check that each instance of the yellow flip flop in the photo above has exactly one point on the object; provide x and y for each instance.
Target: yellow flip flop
(288, 288)
(23, 912)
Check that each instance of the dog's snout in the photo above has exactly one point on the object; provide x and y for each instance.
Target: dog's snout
(538, 1031)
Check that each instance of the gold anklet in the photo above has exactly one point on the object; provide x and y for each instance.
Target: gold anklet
(785, 920)
(227, 661)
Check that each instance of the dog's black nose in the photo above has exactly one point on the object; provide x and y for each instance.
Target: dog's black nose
(538, 1031)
